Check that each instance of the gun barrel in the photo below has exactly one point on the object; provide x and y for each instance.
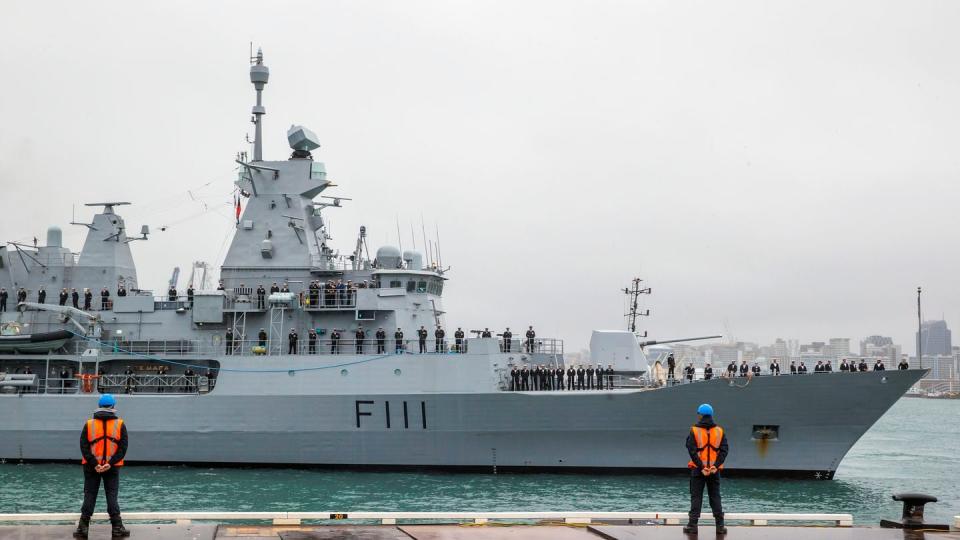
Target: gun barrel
(665, 341)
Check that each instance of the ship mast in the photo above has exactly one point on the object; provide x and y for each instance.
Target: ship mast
(633, 292)
(259, 75)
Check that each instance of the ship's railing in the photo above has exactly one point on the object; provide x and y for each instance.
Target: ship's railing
(392, 518)
(154, 384)
(318, 302)
(531, 346)
(609, 382)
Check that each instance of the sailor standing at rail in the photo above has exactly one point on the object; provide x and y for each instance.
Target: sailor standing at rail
(486, 333)
(775, 368)
(104, 298)
(599, 373)
(292, 338)
(581, 374)
(228, 341)
(63, 296)
(422, 337)
(559, 375)
(75, 296)
(755, 369)
(438, 335)
(103, 445)
(707, 448)
(21, 295)
(398, 341)
(190, 295)
(312, 341)
(359, 336)
(507, 337)
(707, 372)
(589, 377)
(3, 299)
(41, 296)
(524, 378)
(514, 378)
(689, 372)
(744, 368)
(87, 299)
(903, 364)
(335, 342)
(535, 378)
(671, 366)
(531, 336)
(172, 294)
(261, 297)
(381, 336)
(458, 340)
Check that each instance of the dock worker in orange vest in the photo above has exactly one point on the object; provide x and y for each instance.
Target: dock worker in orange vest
(103, 444)
(708, 449)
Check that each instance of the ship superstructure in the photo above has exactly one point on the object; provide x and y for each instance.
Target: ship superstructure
(214, 376)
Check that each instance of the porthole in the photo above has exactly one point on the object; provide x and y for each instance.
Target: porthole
(343, 372)
(397, 371)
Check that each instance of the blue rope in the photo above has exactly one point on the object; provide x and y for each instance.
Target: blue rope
(235, 370)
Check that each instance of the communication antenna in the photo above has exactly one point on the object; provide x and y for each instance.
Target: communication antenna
(919, 331)
(439, 256)
(399, 240)
(413, 237)
(426, 246)
(633, 293)
(259, 75)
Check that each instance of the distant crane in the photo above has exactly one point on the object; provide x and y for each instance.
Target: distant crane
(172, 284)
(200, 276)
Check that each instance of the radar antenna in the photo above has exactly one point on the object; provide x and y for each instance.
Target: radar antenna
(633, 292)
(259, 75)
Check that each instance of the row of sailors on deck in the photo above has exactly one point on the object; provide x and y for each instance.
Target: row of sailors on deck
(544, 377)
(380, 338)
(73, 296)
(689, 372)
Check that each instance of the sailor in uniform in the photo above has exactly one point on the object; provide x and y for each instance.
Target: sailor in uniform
(903, 364)
(793, 367)
(104, 298)
(422, 337)
(74, 295)
(172, 294)
(531, 335)
(228, 341)
(458, 340)
(514, 379)
(589, 376)
(3, 299)
(87, 299)
(535, 376)
(671, 366)
(190, 295)
(558, 373)
(689, 372)
(581, 373)
(398, 341)
(261, 297)
(486, 333)
(438, 335)
(381, 336)
(41, 296)
(292, 339)
(755, 369)
(571, 375)
(312, 341)
(744, 368)
(507, 336)
(707, 372)
(335, 342)
(775, 367)
(262, 338)
(360, 335)
(63, 296)
(524, 378)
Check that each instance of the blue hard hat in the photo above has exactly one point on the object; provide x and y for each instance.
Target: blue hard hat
(705, 410)
(107, 400)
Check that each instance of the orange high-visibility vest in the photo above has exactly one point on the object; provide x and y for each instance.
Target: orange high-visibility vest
(708, 445)
(104, 437)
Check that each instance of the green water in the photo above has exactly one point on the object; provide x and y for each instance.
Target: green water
(912, 448)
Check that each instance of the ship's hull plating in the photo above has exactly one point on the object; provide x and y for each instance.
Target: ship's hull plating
(817, 417)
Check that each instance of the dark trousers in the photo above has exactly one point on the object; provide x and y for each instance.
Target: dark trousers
(399, 346)
(697, 483)
(91, 488)
(670, 373)
(423, 345)
(381, 346)
(569, 383)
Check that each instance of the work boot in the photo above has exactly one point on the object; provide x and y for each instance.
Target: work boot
(83, 527)
(118, 530)
(720, 528)
(690, 527)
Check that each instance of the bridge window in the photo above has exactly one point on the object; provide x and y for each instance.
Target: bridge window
(396, 284)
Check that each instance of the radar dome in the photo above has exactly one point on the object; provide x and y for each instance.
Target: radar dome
(413, 259)
(388, 257)
(54, 237)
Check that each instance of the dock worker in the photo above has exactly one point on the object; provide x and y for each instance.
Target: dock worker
(531, 336)
(261, 297)
(671, 366)
(359, 336)
(398, 341)
(422, 337)
(571, 375)
(903, 364)
(507, 337)
(262, 338)
(524, 378)
(63, 296)
(707, 372)
(74, 295)
(228, 341)
(458, 340)
(41, 296)
(103, 445)
(707, 448)
(3, 299)
(335, 342)
(312, 341)
(689, 372)
(381, 336)
(775, 368)
(438, 335)
(292, 338)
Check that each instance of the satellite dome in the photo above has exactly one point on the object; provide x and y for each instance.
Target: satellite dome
(388, 257)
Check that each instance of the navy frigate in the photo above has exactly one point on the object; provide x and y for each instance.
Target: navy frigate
(211, 375)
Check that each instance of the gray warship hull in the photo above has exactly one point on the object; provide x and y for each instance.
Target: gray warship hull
(817, 419)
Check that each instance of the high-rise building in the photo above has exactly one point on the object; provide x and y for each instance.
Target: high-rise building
(837, 349)
(934, 338)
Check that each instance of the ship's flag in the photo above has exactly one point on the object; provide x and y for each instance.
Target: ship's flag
(238, 209)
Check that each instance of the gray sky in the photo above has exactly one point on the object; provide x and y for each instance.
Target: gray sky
(773, 169)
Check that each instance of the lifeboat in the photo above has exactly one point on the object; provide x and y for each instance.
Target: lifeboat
(14, 339)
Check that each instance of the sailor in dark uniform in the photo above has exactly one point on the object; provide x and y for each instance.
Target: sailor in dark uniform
(292, 342)
(581, 374)
(190, 295)
(879, 366)
(819, 367)
(335, 342)
(274, 288)
(599, 373)
(87, 299)
(172, 294)
(3, 299)
(671, 366)
(531, 336)
(524, 378)
(793, 367)
(398, 341)
(707, 372)
(121, 290)
(535, 378)
(744, 368)
(21, 295)
(903, 365)
(775, 367)
(41, 296)
(228, 341)
(104, 299)
(689, 372)
(312, 341)
(558, 374)
(438, 335)
(828, 368)
(755, 369)
(844, 366)
(360, 335)
(610, 375)
(507, 336)
(261, 297)
(262, 338)
(486, 333)
(458, 340)
(862, 365)
(802, 370)
(422, 337)
(589, 377)
(63, 297)
(514, 379)
(381, 336)
(75, 296)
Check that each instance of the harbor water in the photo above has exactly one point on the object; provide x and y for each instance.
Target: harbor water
(912, 448)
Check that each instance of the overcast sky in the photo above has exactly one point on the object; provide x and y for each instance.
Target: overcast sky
(772, 169)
